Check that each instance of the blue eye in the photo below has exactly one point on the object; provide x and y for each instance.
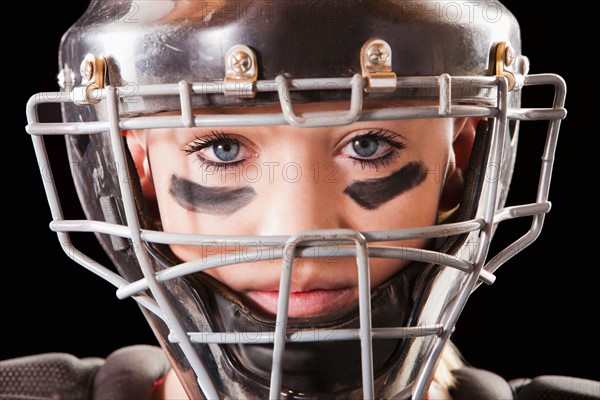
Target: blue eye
(374, 149)
(218, 150)
(365, 146)
(227, 150)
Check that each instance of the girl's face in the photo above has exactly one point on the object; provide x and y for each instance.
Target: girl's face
(277, 180)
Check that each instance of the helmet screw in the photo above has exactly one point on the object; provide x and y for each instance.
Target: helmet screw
(240, 62)
(377, 54)
(509, 56)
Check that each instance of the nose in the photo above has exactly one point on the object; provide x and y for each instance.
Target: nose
(303, 197)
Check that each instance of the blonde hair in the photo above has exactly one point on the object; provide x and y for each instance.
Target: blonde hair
(451, 360)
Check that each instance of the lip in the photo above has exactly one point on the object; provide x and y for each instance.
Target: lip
(311, 303)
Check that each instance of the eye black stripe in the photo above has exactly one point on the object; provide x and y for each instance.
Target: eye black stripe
(209, 200)
(372, 193)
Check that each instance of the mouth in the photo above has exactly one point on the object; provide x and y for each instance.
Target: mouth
(304, 304)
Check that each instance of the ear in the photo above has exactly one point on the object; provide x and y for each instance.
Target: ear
(137, 147)
(462, 144)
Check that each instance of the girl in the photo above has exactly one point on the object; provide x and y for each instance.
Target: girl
(300, 195)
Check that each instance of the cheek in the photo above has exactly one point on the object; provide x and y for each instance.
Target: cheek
(413, 209)
(190, 199)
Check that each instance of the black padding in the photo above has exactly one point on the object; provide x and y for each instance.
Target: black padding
(474, 180)
(551, 387)
(131, 373)
(49, 376)
(479, 384)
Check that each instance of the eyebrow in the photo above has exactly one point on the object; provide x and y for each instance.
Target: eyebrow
(372, 193)
(209, 200)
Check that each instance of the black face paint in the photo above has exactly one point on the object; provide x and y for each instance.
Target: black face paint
(371, 193)
(209, 200)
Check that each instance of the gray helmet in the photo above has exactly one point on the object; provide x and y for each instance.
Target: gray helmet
(123, 62)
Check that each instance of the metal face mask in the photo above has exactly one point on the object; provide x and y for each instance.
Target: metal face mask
(154, 64)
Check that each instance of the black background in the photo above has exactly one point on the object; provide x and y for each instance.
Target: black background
(538, 318)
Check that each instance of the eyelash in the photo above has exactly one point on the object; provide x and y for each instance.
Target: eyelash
(382, 135)
(387, 159)
(201, 143)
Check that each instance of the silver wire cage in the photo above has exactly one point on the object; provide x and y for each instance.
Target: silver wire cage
(149, 293)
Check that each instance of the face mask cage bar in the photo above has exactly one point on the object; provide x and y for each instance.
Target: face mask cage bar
(304, 244)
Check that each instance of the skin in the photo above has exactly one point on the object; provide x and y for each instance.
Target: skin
(316, 179)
